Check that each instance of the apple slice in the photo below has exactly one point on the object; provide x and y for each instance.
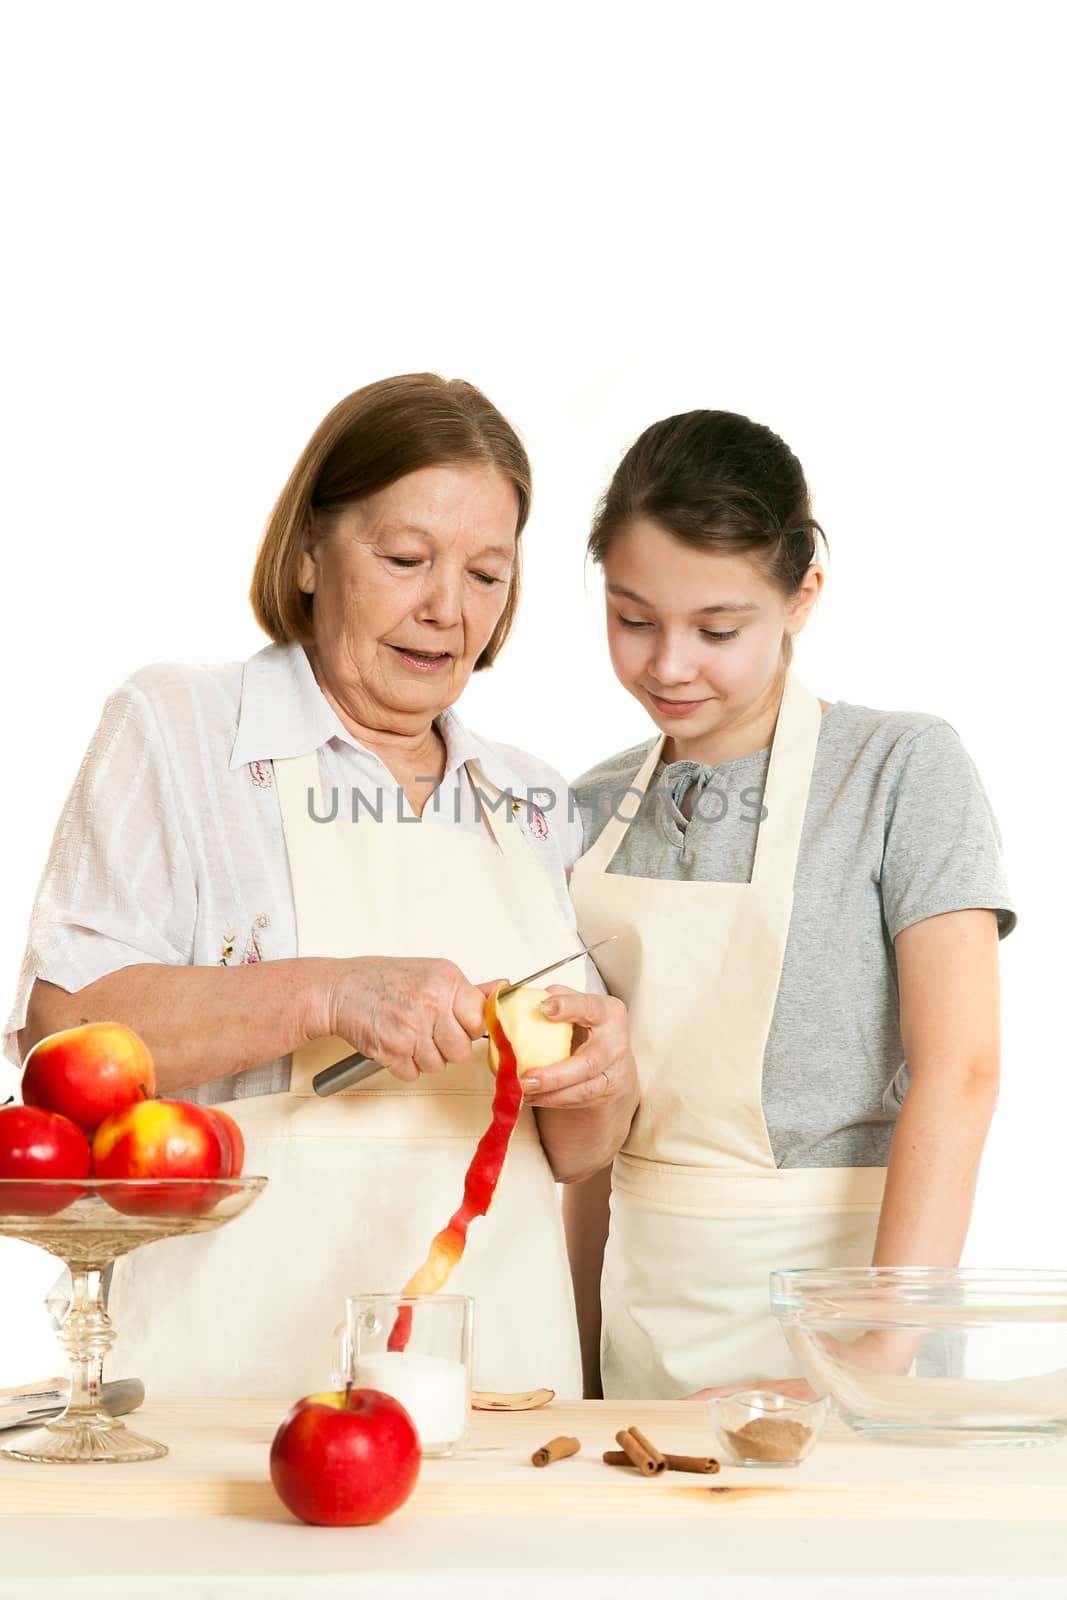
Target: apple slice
(536, 1041)
(530, 1400)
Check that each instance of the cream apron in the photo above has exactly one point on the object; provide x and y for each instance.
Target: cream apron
(700, 1214)
(361, 1181)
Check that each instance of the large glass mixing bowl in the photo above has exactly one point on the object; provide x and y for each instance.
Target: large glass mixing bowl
(933, 1355)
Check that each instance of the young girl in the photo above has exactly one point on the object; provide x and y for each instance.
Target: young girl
(807, 898)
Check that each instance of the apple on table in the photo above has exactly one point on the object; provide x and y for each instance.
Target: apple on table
(345, 1459)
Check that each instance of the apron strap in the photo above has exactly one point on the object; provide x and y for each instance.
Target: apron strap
(785, 794)
(623, 811)
(294, 777)
(504, 825)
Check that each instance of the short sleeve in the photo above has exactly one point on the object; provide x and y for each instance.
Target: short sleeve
(118, 889)
(942, 844)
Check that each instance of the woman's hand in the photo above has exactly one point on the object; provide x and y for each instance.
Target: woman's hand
(600, 1071)
(413, 1015)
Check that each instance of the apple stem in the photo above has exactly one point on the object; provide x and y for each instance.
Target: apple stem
(348, 1392)
(10, 1100)
(144, 1091)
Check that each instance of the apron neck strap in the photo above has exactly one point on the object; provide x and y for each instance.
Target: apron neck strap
(785, 793)
(297, 779)
(500, 812)
(624, 809)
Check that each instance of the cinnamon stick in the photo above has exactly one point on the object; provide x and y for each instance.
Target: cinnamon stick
(692, 1464)
(645, 1457)
(556, 1450)
(646, 1444)
(705, 1464)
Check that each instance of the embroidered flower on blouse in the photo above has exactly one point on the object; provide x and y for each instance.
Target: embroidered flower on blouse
(253, 951)
(538, 820)
(261, 774)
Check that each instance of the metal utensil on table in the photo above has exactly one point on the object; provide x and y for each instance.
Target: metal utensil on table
(353, 1069)
(117, 1399)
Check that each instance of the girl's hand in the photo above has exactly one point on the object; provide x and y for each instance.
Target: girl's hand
(795, 1388)
(600, 1070)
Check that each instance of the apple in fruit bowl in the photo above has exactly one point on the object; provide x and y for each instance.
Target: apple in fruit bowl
(172, 1141)
(87, 1073)
(236, 1138)
(345, 1459)
(35, 1145)
(535, 1039)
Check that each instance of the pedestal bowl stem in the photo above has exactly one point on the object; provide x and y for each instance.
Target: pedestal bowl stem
(85, 1432)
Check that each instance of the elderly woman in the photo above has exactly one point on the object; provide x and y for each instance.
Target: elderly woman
(264, 866)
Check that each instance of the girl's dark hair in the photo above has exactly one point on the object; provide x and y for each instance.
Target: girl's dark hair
(716, 481)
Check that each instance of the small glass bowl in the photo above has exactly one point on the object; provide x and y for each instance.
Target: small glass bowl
(760, 1428)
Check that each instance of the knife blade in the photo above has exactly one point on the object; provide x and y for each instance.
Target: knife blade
(353, 1069)
(117, 1399)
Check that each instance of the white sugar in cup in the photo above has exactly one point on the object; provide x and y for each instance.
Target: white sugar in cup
(433, 1389)
(430, 1375)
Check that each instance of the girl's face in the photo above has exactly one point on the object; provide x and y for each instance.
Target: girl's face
(696, 636)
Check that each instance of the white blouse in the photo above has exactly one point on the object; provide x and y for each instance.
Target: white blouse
(170, 847)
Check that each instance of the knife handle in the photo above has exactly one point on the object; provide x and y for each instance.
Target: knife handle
(122, 1396)
(117, 1399)
(344, 1073)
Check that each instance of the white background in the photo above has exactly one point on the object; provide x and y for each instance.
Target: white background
(842, 220)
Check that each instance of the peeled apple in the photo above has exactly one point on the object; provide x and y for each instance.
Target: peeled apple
(536, 1041)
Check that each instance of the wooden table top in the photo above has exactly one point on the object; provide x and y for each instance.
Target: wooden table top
(218, 1466)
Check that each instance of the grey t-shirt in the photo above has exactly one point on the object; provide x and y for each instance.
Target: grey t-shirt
(897, 828)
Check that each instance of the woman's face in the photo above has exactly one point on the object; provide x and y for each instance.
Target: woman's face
(696, 636)
(409, 585)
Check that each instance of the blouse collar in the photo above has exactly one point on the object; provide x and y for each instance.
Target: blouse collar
(284, 713)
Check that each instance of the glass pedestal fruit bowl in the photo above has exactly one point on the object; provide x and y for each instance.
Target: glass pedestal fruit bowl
(88, 1223)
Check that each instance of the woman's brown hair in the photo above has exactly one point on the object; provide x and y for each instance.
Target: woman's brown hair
(716, 481)
(368, 441)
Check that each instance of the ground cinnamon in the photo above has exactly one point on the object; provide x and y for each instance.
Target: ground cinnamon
(769, 1439)
(555, 1450)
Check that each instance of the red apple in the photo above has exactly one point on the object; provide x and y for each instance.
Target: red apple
(163, 1139)
(236, 1138)
(37, 1144)
(340, 1462)
(89, 1072)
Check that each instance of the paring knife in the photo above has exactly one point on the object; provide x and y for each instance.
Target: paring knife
(117, 1399)
(353, 1069)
